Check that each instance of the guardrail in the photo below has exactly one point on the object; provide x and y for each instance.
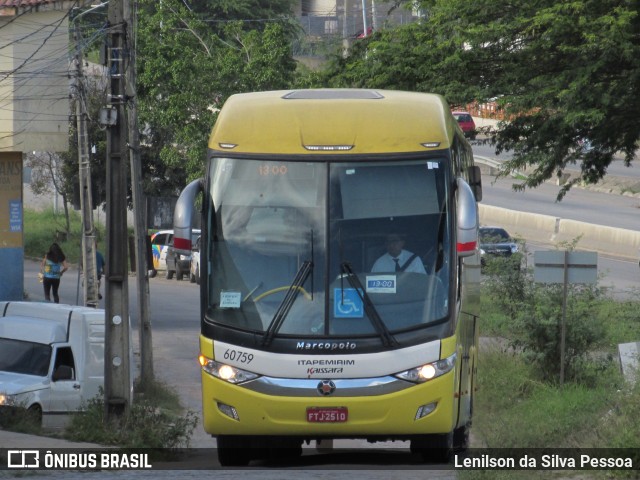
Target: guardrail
(549, 229)
(495, 165)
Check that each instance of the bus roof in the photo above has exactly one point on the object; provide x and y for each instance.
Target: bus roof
(323, 120)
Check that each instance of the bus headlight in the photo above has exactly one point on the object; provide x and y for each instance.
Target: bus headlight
(429, 371)
(225, 372)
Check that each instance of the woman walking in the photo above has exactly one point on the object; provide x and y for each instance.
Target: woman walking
(54, 264)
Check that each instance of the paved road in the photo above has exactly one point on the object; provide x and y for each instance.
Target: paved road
(579, 204)
(616, 167)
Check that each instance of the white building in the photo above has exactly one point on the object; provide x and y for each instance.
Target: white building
(34, 111)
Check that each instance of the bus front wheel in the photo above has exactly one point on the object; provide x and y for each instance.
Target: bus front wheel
(233, 452)
(434, 448)
(282, 450)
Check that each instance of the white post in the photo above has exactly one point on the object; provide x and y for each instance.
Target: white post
(364, 17)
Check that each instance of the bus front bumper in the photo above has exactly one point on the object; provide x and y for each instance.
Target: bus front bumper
(417, 409)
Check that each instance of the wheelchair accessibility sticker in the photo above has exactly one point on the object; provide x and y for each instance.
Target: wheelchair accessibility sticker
(347, 303)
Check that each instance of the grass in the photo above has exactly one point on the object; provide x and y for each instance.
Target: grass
(516, 410)
(42, 228)
(518, 407)
(155, 420)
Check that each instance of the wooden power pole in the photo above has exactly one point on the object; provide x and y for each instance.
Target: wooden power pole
(139, 214)
(117, 368)
(90, 284)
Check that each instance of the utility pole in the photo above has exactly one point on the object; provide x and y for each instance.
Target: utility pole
(139, 212)
(348, 27)
(364, 17)
(117, 374)
(374, 16)
(90, 284)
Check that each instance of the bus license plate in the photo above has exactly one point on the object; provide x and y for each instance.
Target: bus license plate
(327, 414)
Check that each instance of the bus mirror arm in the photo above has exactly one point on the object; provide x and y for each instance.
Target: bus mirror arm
(183, 215)
(475, 181)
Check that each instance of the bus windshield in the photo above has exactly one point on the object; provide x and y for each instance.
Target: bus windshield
(326, 249)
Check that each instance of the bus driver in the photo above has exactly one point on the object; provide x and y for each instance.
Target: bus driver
(397, 259)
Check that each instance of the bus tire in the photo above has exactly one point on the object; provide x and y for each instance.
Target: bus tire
(283, 450)
(233, 452)
(461, 438)
(434, 448)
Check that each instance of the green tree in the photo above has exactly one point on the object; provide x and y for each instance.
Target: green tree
(187, 67)
(565, 73)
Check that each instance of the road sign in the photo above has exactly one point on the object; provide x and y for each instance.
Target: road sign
(565, 267)
(554, 266)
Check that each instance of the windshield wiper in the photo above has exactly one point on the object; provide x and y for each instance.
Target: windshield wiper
(286, 304)
(388, 339)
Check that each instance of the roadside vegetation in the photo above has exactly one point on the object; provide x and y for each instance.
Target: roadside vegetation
(520, 402)
(42, 228)
(156, 420)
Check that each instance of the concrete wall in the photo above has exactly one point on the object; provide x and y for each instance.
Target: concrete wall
(549, 229)
(35, 82)
(11, 226)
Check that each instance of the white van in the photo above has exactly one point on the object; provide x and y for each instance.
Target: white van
(51, 358)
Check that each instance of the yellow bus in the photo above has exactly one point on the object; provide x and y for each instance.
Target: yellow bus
(340, 272)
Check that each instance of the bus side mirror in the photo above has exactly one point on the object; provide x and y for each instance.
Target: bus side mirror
(468, 220)
(182, 215)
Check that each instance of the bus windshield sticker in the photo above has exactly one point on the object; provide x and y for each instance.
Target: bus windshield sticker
(230, 299)
(347, 303)
(381, 284)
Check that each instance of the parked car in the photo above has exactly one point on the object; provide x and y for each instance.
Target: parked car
(496, 241)
(51, 360)
(194, 276)
(468, 126)
(160, 242)
(178, 263)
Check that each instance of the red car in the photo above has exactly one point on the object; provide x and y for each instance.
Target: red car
(468, 126)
